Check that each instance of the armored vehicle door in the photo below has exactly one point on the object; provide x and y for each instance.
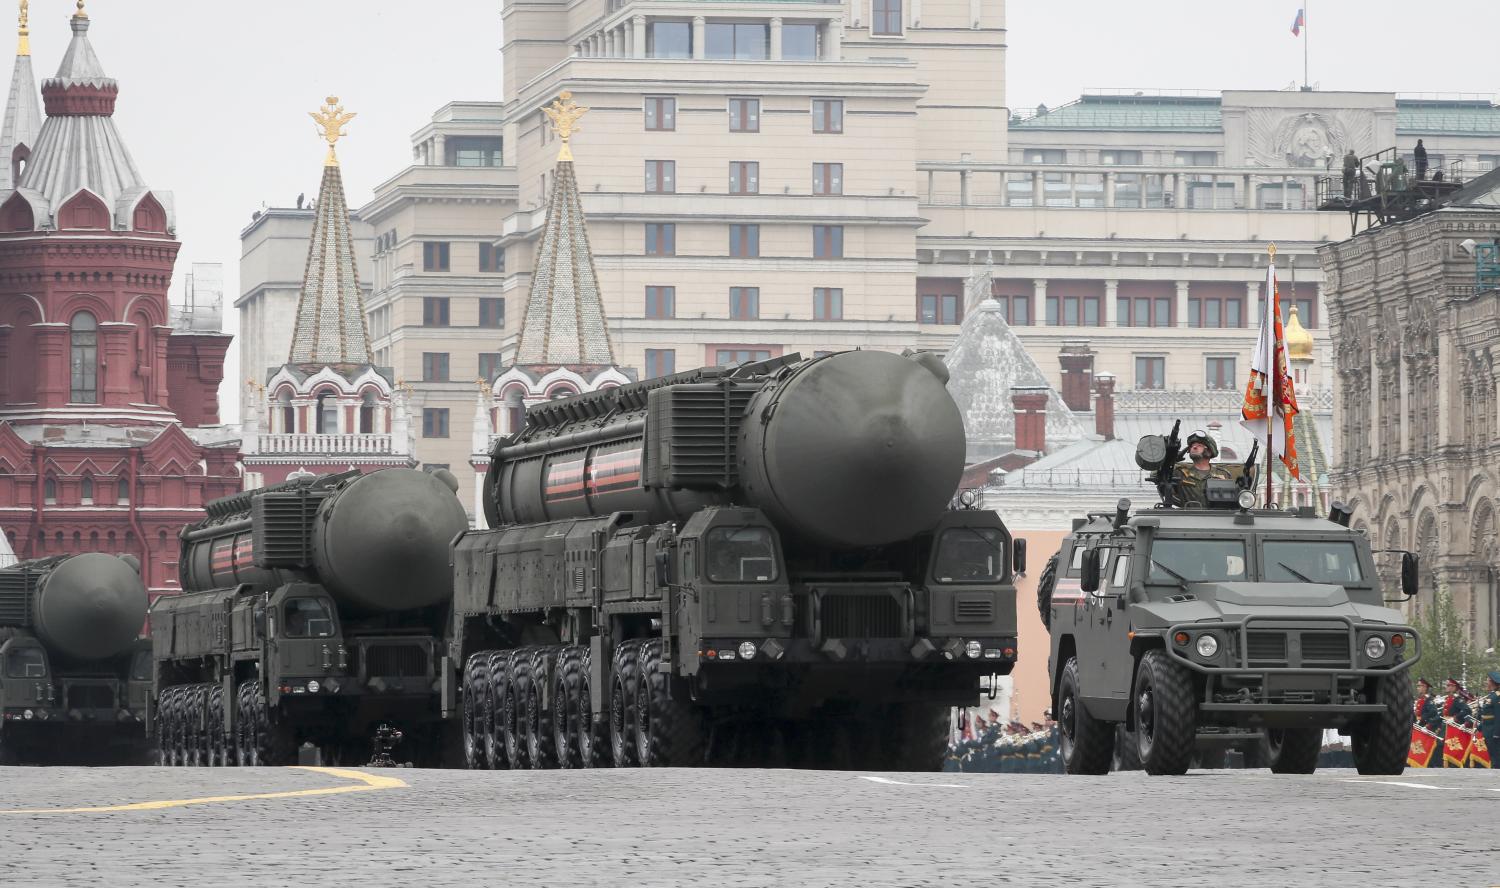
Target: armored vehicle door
(1104, 637)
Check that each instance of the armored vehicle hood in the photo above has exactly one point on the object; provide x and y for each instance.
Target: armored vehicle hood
(1235, 601)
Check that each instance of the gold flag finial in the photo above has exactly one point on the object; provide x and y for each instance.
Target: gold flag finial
(330, 120)
(24, 46)
(80, 14)
(564, 114)
(1271, 251)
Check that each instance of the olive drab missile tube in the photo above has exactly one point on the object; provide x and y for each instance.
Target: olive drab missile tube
(749, 565)
(313, 613)
(74, 678)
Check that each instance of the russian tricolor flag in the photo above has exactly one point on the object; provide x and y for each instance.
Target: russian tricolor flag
(1298, 24)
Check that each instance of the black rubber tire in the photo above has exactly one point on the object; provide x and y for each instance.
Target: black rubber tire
(496, 682)
(218, 750)
(274, 741)
(1044, 588)
(1165, 715)
(541, 746)
(197, 737)
(593, 730)
(1087, 743)
(474, 689)
(1292, 750)
(566, 725)
(1127, 756)
(669, 728)
(509, 710)
(163, 725)
(245, 727)
(622, 704)
(920, 732)
(1381, 742)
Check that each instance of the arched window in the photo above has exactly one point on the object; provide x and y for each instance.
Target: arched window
(288, 414)
(367, 414)
(327, 415)
(122, 490)
(49, 491)
(87, 490)
(85, 361)
(515, 411)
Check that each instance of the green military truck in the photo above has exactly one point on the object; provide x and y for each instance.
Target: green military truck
(1225, 625)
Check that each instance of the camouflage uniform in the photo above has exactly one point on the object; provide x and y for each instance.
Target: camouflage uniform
(1192, 482)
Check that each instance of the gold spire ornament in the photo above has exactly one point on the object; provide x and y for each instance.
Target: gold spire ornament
(330, 120)
(564, 114)
(80, 14)
(23, 48)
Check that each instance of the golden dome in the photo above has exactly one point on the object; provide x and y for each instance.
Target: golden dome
(1299, 342)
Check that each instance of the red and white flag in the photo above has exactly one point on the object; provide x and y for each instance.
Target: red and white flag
(1270, 398)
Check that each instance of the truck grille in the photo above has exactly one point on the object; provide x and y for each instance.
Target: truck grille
(91, 697)
(396, 661)
(1325, 648)
(862, 616)
(1266, 648)
(973, 609)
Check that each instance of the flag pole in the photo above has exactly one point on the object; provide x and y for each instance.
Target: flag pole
(1306, 81)
(1271, 387)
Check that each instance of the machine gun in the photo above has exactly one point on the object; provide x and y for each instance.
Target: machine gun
(1159, 455)
(1246, 480)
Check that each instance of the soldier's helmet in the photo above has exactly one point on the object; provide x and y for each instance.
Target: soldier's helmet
(1207, 441)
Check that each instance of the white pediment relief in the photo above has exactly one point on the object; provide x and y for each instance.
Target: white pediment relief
(1279, 138)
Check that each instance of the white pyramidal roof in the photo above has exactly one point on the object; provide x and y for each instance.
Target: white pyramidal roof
(23, 115)
(565, 322)
(330, 312)
(986, 362)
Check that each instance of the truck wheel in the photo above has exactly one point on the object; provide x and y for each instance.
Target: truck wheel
(622, 704)
(1044, 588)
(668, 728)
(920, 732)
(565, 715)
(1165, 716)
(196, 737)
(535, 721)
(164, 728)
(1380, 742)
(510, 709)
(244, 728)
(492, 715)
(218, 752)
(1291, 750)
(476, 682)
(274, 742)
(1127, 755)
(593, 733)
(1087, 743)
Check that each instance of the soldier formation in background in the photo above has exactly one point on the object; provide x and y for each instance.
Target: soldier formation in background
(1013, 748)
(1457, 729)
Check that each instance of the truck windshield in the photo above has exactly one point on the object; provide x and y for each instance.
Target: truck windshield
(969, 555)
(1197, 561)
(140, 667)
(1311, 561)
(25, 662)
(741, 555)
(308, 618)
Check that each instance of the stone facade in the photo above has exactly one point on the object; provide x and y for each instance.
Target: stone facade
(1415, 354)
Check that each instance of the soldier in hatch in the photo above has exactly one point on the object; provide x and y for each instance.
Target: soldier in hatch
(1193, 476)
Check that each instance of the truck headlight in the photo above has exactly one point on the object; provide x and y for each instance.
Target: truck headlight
(973, 649)
(1374, 647)
(747, 650)
(1207, 646)
(313, 687)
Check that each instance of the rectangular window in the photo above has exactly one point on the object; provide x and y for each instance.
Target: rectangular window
(744, 241)
(661, 177)
(828, 178)
(660, 362)
(1150, 373)
(1144, 311)
(799, 42)
(744, 303)
(828, 241)
(1073, 311)
(939, 308)
(491, 311)
(828, 304)
(661, 113)
(491, 259)
(1196, 158)
(489, 366)
(1016, 307)
(435, 311)
(737, 40)
(1117, 157)
(669, 40)
(885, 18)
(744, 177)
(661, 239)
(435, 422)
(474, 152)
(744, 115)
(1216, 311)
(435, 256)
(827, 115)
(728, 357)
(1220, 375)
(434, 366)
(661, 302)
(1304, 298)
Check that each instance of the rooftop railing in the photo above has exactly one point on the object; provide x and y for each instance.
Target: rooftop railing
(1109, 186)
(364, 445)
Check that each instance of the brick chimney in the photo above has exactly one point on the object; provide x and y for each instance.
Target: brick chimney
(1104, 406)
(1077, 361)
(1031, 416)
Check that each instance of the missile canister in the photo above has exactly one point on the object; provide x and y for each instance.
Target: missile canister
(87, 607)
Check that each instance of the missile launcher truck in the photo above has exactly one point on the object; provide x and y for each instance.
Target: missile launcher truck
(314, 612)
(75, 674)
(748, 565)
(1199, 629)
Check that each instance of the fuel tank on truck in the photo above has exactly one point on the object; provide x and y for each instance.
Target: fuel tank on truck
(377, 542)
(87, 607)
(851, 449)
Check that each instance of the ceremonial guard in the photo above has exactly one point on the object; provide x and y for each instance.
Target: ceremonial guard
(1425, 708)
(1488, 709)
(1456, 703)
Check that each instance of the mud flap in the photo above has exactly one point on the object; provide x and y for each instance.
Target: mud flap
(446, 687)
(596, 674)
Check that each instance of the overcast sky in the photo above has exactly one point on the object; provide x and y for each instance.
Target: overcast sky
(214, 97)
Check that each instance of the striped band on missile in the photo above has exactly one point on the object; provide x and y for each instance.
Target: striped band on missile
(613, 468)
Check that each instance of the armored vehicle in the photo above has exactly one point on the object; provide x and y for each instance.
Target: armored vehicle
(314, 613)
(74, 672)
(1228, 625)
(755, 564)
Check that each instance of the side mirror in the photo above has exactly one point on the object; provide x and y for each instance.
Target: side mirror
(664, 575)
(1018, 556)
(1408, 574)
(1089, 579)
